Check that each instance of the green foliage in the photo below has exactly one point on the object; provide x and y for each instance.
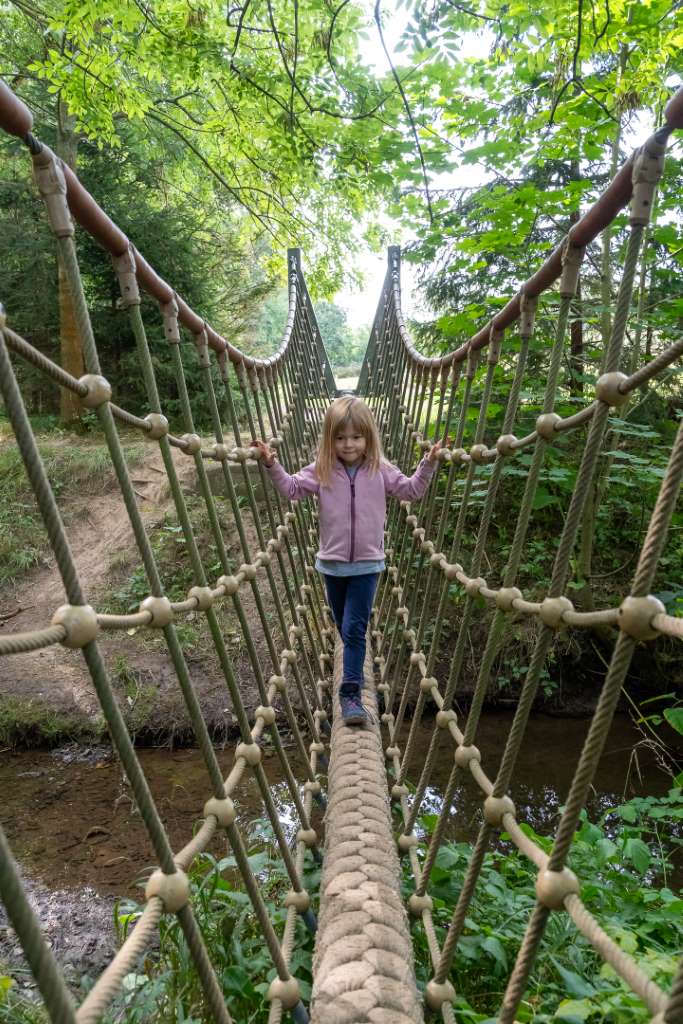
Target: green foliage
(183, 241)
(269, 324)
(168, 987)
(624, 863)
(31, 723)
(14, 1008)
(630, 470)
(269, 114)
(344, 346)
(539, 109)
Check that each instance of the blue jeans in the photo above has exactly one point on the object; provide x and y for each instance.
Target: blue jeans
(350, 598)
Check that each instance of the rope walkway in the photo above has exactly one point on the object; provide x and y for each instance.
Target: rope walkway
(363, 972)
(363, 964)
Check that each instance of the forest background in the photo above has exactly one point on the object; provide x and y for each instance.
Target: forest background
(216, 136)
(475, 133)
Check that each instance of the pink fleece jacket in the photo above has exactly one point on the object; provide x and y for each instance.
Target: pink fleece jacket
(353, 513)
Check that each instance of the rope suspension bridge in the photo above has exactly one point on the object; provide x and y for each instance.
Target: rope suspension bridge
(363, 962)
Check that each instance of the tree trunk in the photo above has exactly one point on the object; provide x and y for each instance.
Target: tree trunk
(584, 563)
(71, 349)
(576, 342)
(576, 366)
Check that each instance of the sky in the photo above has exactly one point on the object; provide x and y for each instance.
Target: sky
(360, 304)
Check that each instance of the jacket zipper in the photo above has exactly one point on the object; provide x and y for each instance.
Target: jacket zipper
(353, 518)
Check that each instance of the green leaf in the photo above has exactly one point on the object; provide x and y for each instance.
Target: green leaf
(446, 858)
(494, 946)
(637, 852)
(607, 849)
(574, 1010)
(674, 717)
(574, 983)
(125, 919)
(543, 498)
(627, 812)
(626, 940)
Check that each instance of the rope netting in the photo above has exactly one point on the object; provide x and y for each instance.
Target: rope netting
(363, 965)
(418, 400)
(284, 399)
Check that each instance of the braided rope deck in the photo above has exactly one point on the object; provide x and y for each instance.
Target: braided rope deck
(363, 965)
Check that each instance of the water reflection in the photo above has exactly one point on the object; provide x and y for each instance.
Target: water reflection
(542, 777)
(71, 820)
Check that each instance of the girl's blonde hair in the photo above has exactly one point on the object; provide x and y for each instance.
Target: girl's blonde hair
(344, 412)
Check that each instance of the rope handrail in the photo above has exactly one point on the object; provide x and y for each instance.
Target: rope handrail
(283, 399)
(416, 557)
(88, 389)
(155, 615)
(506, 598)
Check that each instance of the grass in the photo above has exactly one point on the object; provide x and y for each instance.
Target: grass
(31, 723)
(137, 699)
(16, 1009)
(70, 461)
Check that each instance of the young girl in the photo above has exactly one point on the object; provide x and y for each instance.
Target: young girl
(352, 479)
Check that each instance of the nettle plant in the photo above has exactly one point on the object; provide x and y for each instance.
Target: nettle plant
(625, 865)
(167, 987)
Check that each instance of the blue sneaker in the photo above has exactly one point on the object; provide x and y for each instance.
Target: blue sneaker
(352, 710)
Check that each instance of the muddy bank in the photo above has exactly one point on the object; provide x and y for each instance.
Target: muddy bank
(40, 711)
(47, 697)
(78, 926)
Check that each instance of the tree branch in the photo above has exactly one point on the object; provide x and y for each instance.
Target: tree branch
(296, 53)
(216, 174)
(378, 21)
(608, 17)
(468, 10)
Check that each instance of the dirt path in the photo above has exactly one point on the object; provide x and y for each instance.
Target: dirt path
(52, 687)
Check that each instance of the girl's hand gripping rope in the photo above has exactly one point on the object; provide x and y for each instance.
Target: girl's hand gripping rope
(267, 453)
(434, 451)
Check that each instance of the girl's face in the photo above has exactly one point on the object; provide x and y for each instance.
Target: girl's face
(349, 445)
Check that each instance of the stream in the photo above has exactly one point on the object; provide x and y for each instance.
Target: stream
(79, 841)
